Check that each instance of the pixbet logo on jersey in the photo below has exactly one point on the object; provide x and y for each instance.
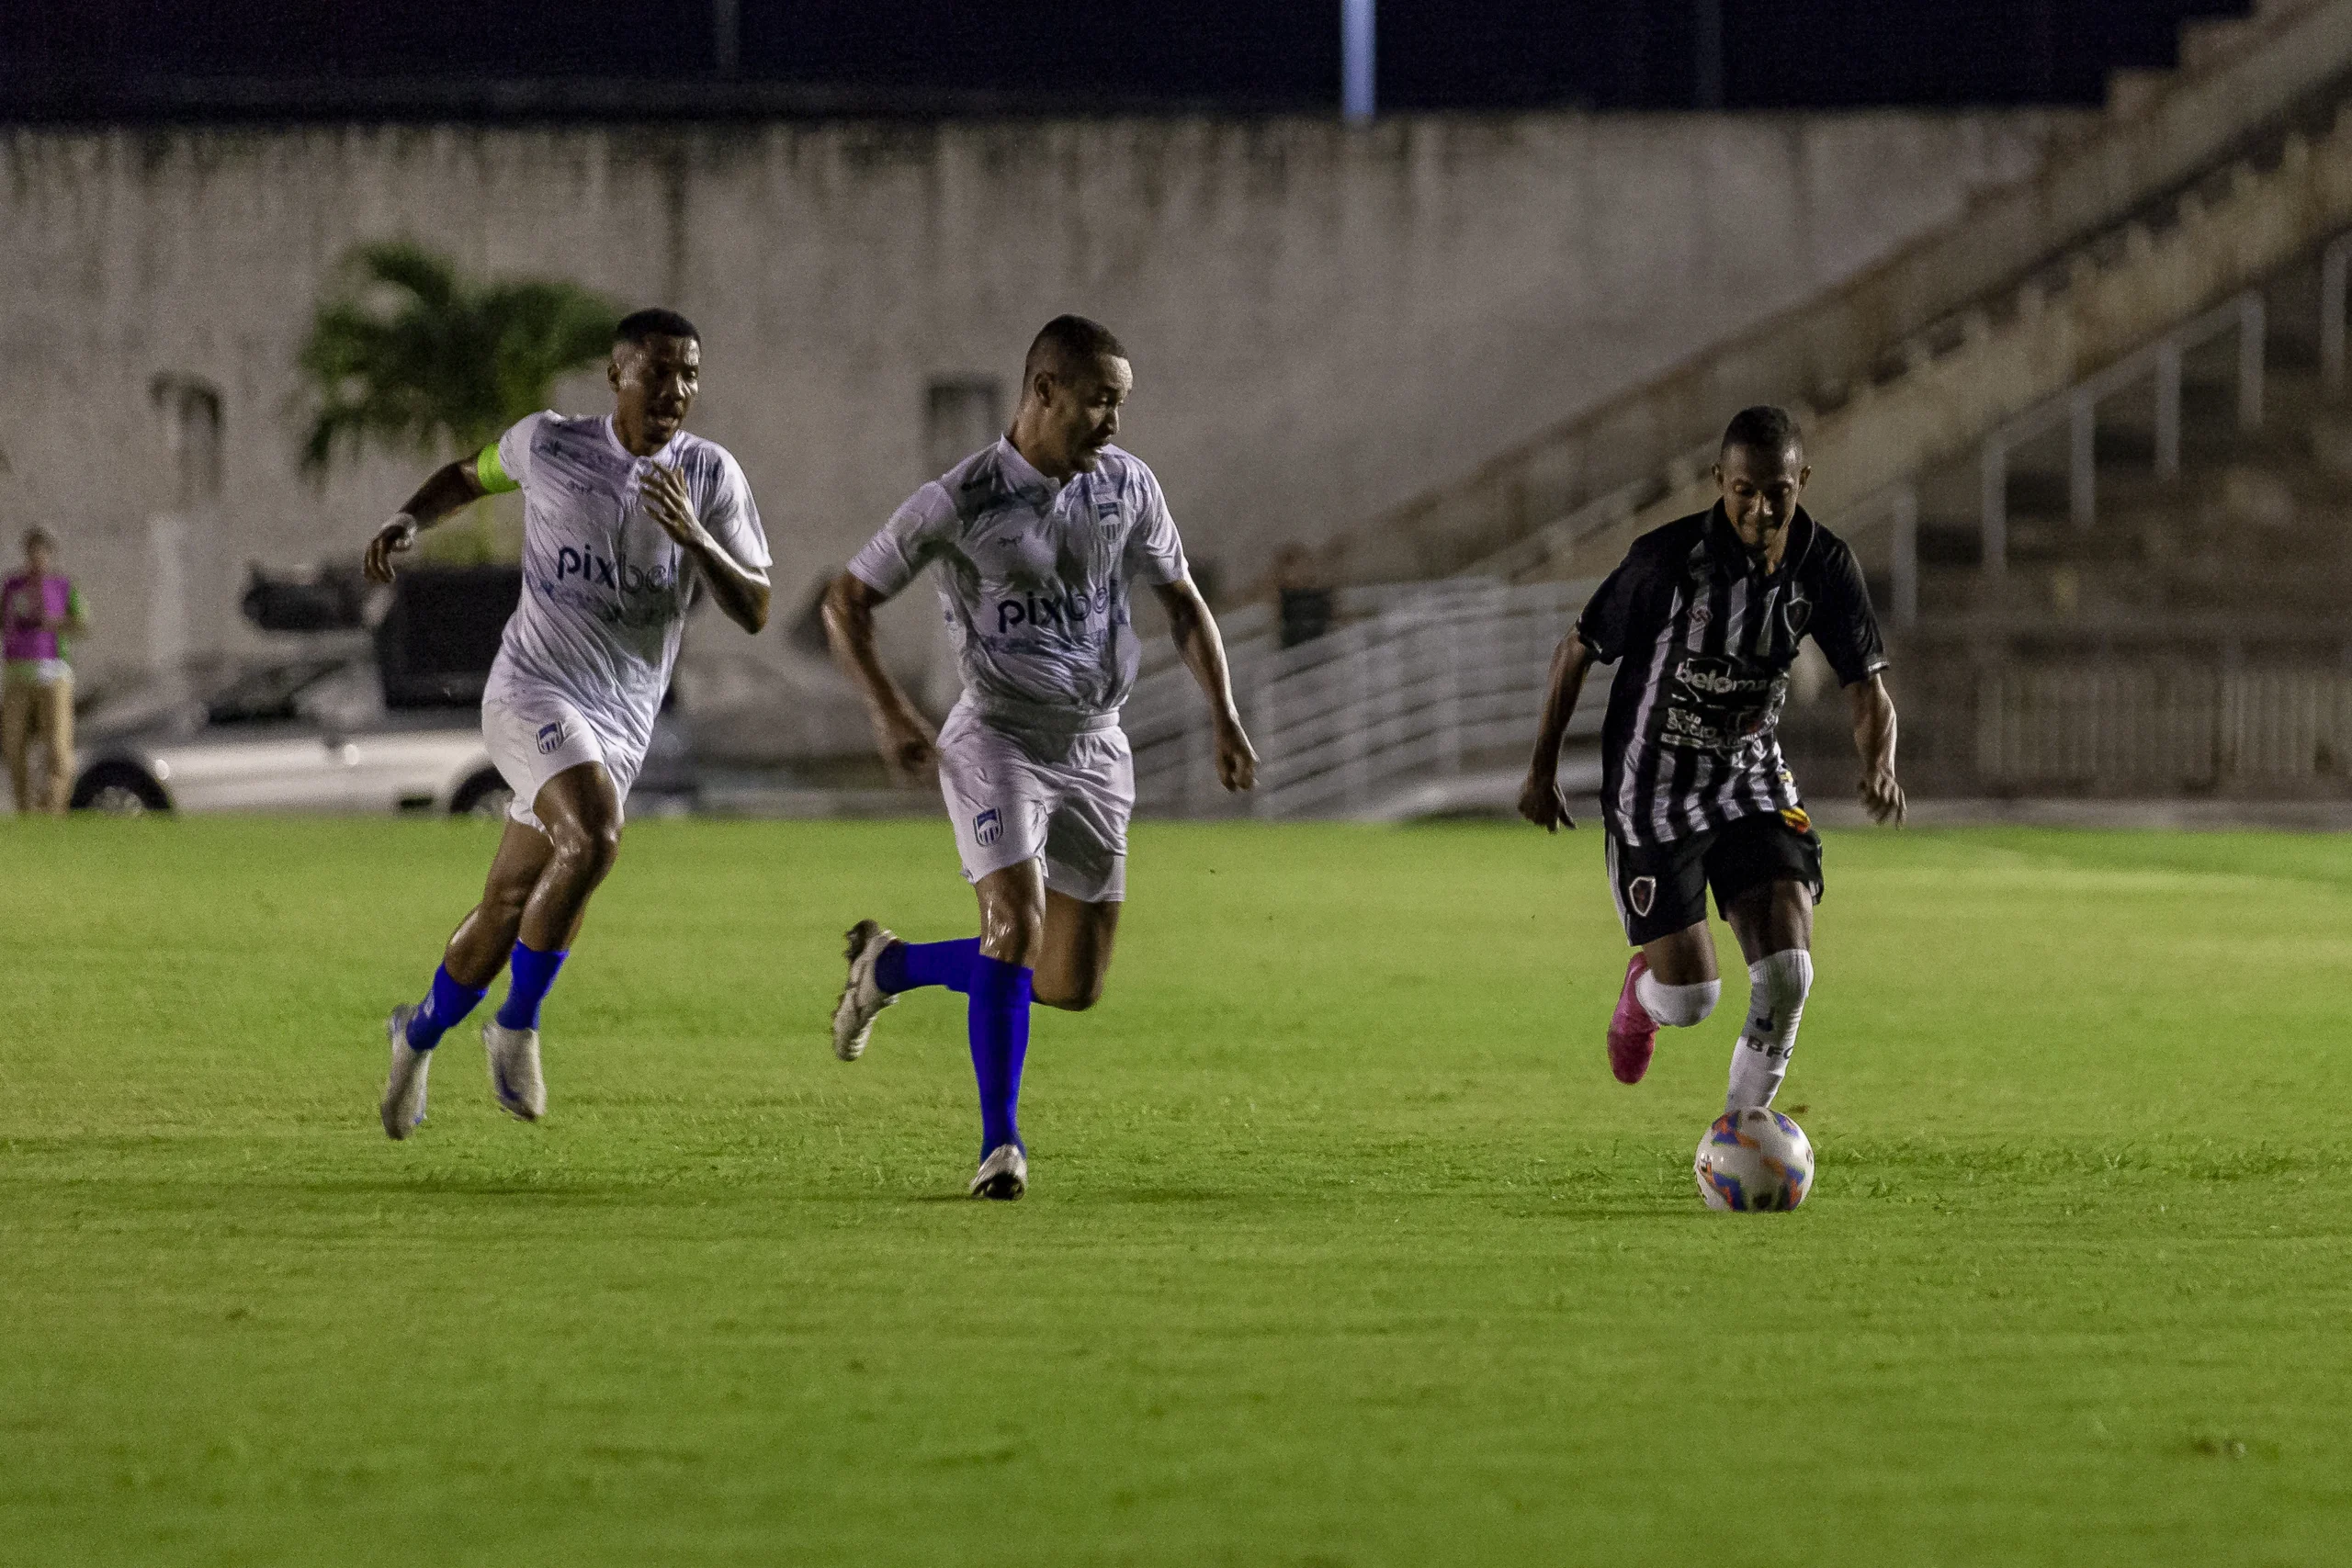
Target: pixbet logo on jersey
(598, 572)
(1069, 612)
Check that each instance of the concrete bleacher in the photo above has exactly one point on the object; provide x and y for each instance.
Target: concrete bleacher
(2185, 635)
(2092, 444)
(1928, 329)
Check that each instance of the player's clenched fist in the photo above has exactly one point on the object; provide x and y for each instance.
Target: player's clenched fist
(1540, 801)
(1881, 796)
(1236, 760)
(907, 749)
(395, 537)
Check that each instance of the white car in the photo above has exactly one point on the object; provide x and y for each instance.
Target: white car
(313, 733)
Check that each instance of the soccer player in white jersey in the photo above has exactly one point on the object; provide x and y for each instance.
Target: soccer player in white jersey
(625, 518)
(1039, 540)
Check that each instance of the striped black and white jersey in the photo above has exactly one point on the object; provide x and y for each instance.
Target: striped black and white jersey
(1703, 637)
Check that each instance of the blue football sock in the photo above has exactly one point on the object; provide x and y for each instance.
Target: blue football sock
(906, 964)
(999, 1020)
(445, 1006)
(529, 973)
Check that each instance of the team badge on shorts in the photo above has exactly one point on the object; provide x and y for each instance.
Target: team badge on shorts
(553, 736)
(1641, 893)
(987, 827)
(1796, 816)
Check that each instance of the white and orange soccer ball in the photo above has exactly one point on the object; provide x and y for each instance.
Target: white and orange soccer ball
(1754, 1161)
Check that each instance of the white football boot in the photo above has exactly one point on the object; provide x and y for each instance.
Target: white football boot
(1004, 1175)
(403, 1106)
(515, 1069)
(861, 1000)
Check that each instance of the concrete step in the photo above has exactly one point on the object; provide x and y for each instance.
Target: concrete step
(2039, 285)
(2213, 584)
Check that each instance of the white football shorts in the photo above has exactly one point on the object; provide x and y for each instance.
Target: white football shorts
(1064, 801)
(533, 736)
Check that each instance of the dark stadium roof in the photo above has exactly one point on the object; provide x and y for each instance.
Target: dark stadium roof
(145, 60)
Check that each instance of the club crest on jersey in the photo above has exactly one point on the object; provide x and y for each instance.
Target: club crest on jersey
(987, 827)
(553, 736)
(1800, 612)
(1107, 515)
(1641, 893)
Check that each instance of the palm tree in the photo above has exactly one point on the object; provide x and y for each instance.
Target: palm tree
(407, 355)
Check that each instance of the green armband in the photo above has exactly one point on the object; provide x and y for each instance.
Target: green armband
(489, 472)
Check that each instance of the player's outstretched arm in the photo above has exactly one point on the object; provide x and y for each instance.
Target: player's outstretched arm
(909, 748)
(741, 591)
(450, 488)
(1875, 742)
(1204, 654)
(1539, 797)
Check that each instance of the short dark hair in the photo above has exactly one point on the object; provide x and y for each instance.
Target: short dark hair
(639, 325)
(1763, 429)
(37, 535)
(1068, 338)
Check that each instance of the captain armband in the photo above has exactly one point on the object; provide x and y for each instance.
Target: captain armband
(491, 474)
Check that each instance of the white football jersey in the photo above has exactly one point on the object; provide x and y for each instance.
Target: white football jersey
(604, 588)
(1033, 578)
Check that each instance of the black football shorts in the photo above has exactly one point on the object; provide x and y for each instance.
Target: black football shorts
(1662, 888)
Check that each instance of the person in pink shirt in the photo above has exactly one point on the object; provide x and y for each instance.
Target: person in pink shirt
(40, 610)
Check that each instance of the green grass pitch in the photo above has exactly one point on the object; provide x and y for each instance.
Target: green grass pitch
(1344, 1247)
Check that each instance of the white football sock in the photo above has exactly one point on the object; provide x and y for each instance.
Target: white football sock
(1676, 1007)
(1776, 984)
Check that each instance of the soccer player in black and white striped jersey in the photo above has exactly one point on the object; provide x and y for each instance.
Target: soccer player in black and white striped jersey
(1703, 621)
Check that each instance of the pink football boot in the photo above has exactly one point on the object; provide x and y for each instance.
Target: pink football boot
(1633, 1033)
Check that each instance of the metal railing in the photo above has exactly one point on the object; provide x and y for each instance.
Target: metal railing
(1424, 684)
(2161, 726)
(1438, 682)
(1897, 506)
(2078, 410)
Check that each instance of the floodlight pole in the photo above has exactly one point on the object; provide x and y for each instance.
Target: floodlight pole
(726, 37)
(1708, 52)
(1356, 97)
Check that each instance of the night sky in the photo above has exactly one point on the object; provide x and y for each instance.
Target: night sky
(102, 58)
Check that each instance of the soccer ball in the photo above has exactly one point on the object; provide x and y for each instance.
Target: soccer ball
(1754, 1160)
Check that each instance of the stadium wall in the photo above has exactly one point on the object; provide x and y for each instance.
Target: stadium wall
(1323, 321)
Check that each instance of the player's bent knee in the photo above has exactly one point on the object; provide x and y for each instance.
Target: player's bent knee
(1679, 1006)
(589, 848)
(1786, 978)
(1075, 997)
(1013, 939)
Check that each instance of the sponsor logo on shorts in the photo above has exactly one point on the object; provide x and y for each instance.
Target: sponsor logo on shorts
(987, 827)
(553, 736)
(1641, 893)
(1795, 816)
